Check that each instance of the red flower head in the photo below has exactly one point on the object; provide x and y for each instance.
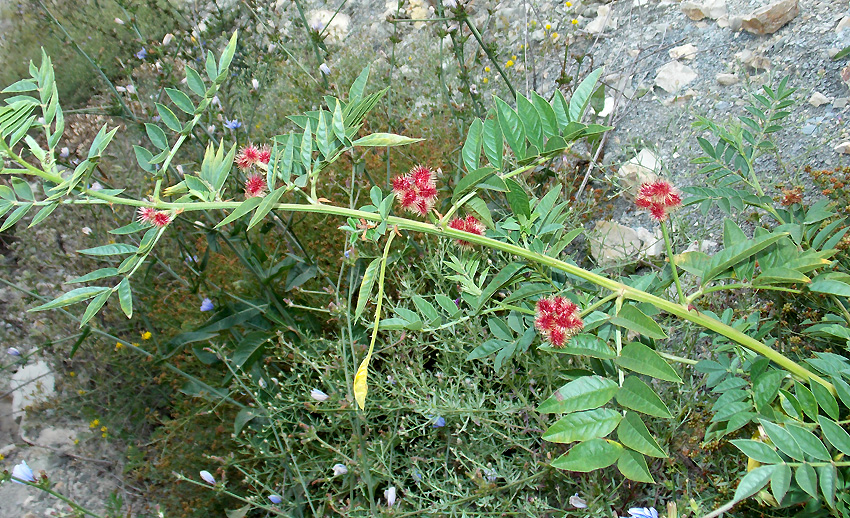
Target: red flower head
(417, 190)
(265, 154)
(145, 214)
(468, 224)
(658, 197)
(161, 218)
(255, 185)
(557, 320)
(248, 156)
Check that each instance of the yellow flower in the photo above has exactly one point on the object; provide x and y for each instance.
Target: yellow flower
(487, 69)
(94, 424)
(569, 4)
(103, 428)
(548, 26)
(118, 346)
(555, 35)
(510, 63)
(76, 441)
(103, 435)
(513, 57)
(574, 22)
(81, 392)
(485, 80)
(146, 335)
(72, 374)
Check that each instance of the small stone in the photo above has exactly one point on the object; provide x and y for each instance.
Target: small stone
(603, 21)
(714, 9)
(673, 76)
(840, 102)
(610, 241)
(771, 18)
(818, 99)
(641, 169)
(692, 10)
(35, 384)
(844, 23)
(727, 79)
(722, 106)
(843, 148)
(808, 129)
(686, 52)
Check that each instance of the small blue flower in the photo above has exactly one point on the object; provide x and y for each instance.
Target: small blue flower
(457, 302)
(490, 475)
(142, 54)
(347, 254)
(207, 305)
(340, 469)
(439, 421)
(643, 512)
(417, 476)
(232, 125)
(23, 472)
(13, 351)
(208, 478)
(275, 499)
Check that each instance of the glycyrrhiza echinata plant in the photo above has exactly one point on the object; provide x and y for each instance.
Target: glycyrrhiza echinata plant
(532, 294)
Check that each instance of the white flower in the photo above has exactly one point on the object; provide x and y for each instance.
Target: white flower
(340, 469)
(578, 502)
(211, 128)
(255, 84)
(180, 169)
(262, 383)
(216, 101)
(208, 478)
(13, 351)
(450, 4)
(325, 69)
(120, 89)
(389, 494)
(167, 39)
(202, 27)
(473, 88)
(96, 186)
(119, 21)
(85, 230)
(64, 152)
(131, 89)
(318, 395)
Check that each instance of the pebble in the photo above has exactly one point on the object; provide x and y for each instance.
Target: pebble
(843, 148)
(727, 79)
(818, 99)
(673, 76)
(808, 129)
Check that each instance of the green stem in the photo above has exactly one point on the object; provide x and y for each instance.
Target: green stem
(672, 259)
(487, 51)
(628, 292)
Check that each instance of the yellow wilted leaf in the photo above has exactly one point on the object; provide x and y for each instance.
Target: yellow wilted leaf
(360, 387)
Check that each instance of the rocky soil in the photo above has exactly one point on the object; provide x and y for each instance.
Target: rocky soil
(665, 62)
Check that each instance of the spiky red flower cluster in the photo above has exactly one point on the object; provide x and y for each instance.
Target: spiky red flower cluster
(468, 224)
(659, 197)
(251, 154)
(557, 320)
(151, 216)
(417, 190)
(255, 185)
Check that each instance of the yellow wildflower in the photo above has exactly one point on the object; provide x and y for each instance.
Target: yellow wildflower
(485, 80)
(94, 424)
(487, 69)
(548, 26)
(574, 22)
(510, 63)
(146, 335)
(569, 4)
(118, 346)
(72, 374)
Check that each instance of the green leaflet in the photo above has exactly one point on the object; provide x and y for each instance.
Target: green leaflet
(584, 393)
(633, 319)
(639, 358)
(589, 455)
(637, 395)
(633, 433)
